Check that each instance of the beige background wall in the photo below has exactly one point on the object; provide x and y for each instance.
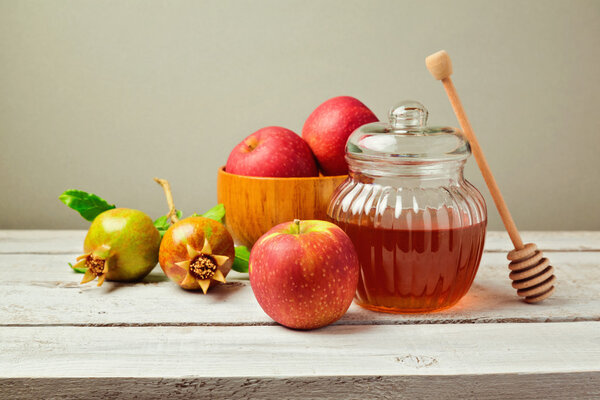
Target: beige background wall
(104, 95)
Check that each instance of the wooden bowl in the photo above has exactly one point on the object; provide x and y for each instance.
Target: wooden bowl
(253, 205)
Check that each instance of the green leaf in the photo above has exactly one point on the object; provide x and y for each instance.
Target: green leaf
(78, 270)
(87, 204)
(242, 259)
(162, 224)
(217, 213)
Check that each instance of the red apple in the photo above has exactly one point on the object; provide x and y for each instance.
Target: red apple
(328, 127)
(272, 152)
(304, 273)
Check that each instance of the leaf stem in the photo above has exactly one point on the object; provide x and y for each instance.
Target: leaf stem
(172, 215)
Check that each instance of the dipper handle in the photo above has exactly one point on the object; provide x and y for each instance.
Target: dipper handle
(532, 274)
(440, 66)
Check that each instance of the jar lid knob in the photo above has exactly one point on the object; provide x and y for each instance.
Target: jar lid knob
(408, 115)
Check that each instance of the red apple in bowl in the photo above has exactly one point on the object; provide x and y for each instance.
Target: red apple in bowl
(328, 127)
(304, 273)
(272, 152)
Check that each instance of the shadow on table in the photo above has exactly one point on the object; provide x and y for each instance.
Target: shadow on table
(155, 277)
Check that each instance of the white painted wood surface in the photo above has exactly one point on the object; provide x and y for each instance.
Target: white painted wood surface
(54, 296)
(153, 340)
(210, 351)
(71, 241)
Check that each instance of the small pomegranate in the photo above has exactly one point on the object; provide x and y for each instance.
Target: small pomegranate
(121, 245)
(196, 252)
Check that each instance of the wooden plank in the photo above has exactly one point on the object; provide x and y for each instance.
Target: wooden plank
(274, 351)
(41, 290)
(41, 241)
(560, 386)
(71, 242)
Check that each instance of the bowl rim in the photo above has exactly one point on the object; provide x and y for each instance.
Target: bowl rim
(270, 178)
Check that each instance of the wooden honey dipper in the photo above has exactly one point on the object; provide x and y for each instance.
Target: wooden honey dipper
(531, 272)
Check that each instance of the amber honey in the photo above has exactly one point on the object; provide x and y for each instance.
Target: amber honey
(415, 270)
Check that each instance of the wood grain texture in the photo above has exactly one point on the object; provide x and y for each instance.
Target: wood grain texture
(71, 241)
(274, 351)
(42, 289)
(254, 205)
(59, 339)
(581, 385)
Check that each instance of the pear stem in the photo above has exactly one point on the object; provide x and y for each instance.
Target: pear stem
(172, 215)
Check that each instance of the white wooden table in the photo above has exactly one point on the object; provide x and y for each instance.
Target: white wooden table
(153, 340)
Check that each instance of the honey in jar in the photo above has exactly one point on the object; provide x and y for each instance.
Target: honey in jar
(417, 225)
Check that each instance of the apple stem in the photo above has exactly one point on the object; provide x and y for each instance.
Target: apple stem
(251, 142)
(297, 224)
(172, 215)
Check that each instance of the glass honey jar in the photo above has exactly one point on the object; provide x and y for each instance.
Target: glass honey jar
(417, 224)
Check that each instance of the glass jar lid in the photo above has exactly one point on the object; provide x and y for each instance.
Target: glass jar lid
(407, 139)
